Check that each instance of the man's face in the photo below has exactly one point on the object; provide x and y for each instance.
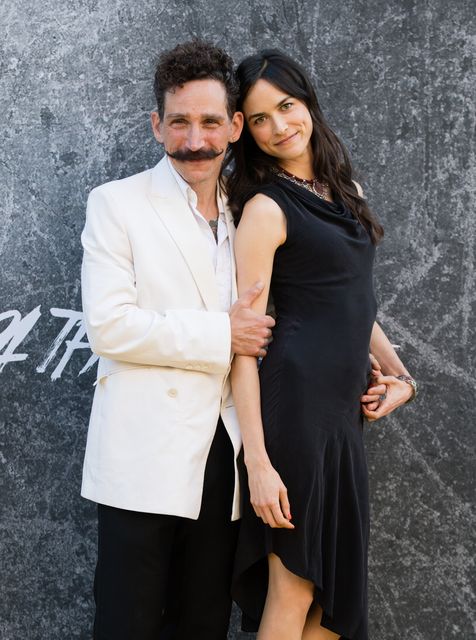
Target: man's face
(196, 129)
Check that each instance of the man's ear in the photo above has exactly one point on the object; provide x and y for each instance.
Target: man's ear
(236, 126)
(156, 126)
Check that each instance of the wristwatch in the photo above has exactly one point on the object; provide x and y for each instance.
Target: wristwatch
(412, 382)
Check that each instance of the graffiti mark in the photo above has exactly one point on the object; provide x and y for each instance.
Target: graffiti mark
(18, 329)
(15, 333)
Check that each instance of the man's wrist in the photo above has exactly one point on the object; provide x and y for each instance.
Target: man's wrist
(412, 382)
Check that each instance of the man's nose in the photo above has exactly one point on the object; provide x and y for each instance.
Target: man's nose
(195, 138)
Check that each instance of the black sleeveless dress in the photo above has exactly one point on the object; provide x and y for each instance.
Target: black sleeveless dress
(316, 369)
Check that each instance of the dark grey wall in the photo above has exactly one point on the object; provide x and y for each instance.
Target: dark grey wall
(395, 79)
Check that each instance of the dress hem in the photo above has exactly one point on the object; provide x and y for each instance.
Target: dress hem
(327, 622)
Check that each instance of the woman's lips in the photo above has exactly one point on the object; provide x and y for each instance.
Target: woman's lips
(287, 139)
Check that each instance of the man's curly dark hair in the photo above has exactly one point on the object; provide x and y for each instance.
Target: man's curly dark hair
(194, 60)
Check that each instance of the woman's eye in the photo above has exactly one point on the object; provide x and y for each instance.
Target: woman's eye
(259, 120)
(286, 106)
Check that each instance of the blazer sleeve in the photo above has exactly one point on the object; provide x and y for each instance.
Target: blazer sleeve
(117, 327)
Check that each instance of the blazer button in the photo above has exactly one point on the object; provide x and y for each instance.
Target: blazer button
(172, 393)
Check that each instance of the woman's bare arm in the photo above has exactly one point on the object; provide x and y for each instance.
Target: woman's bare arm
(261, 230)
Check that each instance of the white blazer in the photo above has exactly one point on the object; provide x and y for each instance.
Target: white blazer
(152, 313)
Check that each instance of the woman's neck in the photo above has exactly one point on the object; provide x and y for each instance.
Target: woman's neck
(299, 167)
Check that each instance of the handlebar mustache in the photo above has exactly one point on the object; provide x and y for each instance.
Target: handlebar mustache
(188, 155)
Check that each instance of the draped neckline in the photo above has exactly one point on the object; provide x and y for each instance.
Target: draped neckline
(316, 204)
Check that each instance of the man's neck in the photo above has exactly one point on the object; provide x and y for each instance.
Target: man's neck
(206, 199)
(206, 192)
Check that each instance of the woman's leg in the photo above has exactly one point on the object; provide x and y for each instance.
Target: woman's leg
(313, 630)
(287, 603)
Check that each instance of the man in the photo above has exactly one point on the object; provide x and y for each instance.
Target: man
(158, 284)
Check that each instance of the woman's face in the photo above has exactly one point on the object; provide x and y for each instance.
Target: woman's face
(280, 124)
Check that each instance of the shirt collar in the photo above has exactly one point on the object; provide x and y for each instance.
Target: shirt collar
(189, 194)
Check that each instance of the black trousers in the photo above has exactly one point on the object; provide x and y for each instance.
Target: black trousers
(161, 577)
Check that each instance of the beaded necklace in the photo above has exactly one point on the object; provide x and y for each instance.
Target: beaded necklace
(319, 189)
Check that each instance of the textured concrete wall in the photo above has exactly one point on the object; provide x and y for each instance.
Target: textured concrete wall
(395, 79)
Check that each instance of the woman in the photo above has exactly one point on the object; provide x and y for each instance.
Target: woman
(306, 232)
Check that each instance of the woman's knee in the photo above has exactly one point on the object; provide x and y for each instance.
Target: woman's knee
(287, 589)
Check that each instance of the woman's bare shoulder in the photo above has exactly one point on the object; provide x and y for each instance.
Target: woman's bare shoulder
(262, 205)
(264, 216)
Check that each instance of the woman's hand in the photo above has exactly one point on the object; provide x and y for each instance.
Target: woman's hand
(269, 496)
(398, 392)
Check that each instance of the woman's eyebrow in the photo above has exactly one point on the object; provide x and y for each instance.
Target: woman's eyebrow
(255, 115)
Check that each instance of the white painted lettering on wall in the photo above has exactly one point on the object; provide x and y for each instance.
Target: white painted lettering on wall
(66, 342)
(15, 333)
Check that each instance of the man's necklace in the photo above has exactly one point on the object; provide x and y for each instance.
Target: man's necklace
(319, 189)
(214, 226)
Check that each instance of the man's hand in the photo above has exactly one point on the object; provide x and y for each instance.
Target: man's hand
(374, 394)
(250, 331)
(398, 393)
(376, 368)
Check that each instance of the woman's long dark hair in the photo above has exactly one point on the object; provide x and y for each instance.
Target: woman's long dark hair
(331, 161)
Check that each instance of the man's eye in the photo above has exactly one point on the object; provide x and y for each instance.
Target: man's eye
(211, 123)
(178, 121)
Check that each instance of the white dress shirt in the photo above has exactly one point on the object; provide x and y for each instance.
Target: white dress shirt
(220, 249)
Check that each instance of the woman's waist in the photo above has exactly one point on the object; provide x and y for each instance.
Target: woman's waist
(321, 353)
(312, 308)
(326, 323)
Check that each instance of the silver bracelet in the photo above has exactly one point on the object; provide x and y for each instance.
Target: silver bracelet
(413, 383)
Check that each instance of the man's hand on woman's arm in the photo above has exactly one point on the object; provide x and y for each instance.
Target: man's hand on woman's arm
(250, 331)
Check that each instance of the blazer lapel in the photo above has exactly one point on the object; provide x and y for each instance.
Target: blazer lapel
(173, 210)
(231, 235)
